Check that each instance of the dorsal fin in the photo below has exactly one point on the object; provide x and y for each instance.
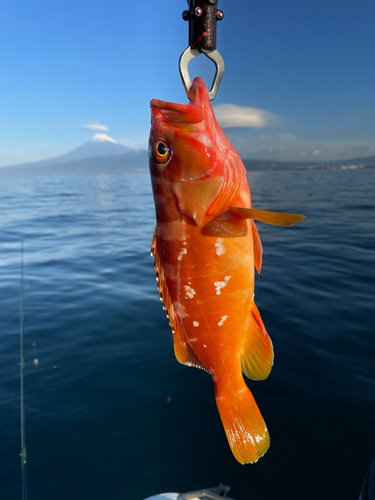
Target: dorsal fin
(258, 247)
(185, 354)
(257, 350)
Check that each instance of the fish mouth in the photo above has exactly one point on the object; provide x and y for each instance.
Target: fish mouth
(176, 113)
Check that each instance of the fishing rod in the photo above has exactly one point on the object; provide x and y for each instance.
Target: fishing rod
(22, 408)
(202, 16)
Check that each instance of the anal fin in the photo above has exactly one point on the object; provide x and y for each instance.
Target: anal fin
(185, 354)
(257, 350)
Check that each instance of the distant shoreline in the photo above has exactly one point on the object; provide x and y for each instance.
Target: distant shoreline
(289, 166)
(137, 164)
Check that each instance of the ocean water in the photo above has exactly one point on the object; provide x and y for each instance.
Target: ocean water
(111, 414)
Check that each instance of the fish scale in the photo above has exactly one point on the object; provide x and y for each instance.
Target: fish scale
(205, 246)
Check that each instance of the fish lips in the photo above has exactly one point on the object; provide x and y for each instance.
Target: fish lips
(179, 114)
(175, 113)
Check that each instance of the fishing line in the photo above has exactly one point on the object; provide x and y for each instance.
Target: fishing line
(11, 433)
(22, 408)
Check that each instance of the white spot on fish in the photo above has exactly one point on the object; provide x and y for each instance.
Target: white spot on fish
(181, 254)
(219, 246)
(221, 322)
(195, 323)
(221, 284)
(180, 310)
(204, 345)
(193, 340)
(190, 292)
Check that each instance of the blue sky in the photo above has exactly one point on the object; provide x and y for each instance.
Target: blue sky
(305, 69)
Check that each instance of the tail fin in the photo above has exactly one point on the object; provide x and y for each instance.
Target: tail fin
(243, 424)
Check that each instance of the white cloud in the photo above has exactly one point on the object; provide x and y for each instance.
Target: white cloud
(316, 152)
(94, 126)
(231, 115)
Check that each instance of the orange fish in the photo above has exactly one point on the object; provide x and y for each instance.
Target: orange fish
(205, 246)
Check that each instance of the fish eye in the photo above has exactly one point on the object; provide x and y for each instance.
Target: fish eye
(160, 151)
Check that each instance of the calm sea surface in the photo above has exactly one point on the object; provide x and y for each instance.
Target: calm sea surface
(111, 414)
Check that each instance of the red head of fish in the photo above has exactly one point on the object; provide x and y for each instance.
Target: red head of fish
(191, 154)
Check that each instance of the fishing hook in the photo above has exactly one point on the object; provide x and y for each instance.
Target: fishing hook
(202, 16)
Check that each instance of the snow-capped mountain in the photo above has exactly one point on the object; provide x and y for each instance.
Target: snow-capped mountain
(99, 145)
(101, 154)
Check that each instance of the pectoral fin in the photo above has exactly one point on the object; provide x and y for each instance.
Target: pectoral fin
(185, 354)
(275, 218)
(257, 350)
